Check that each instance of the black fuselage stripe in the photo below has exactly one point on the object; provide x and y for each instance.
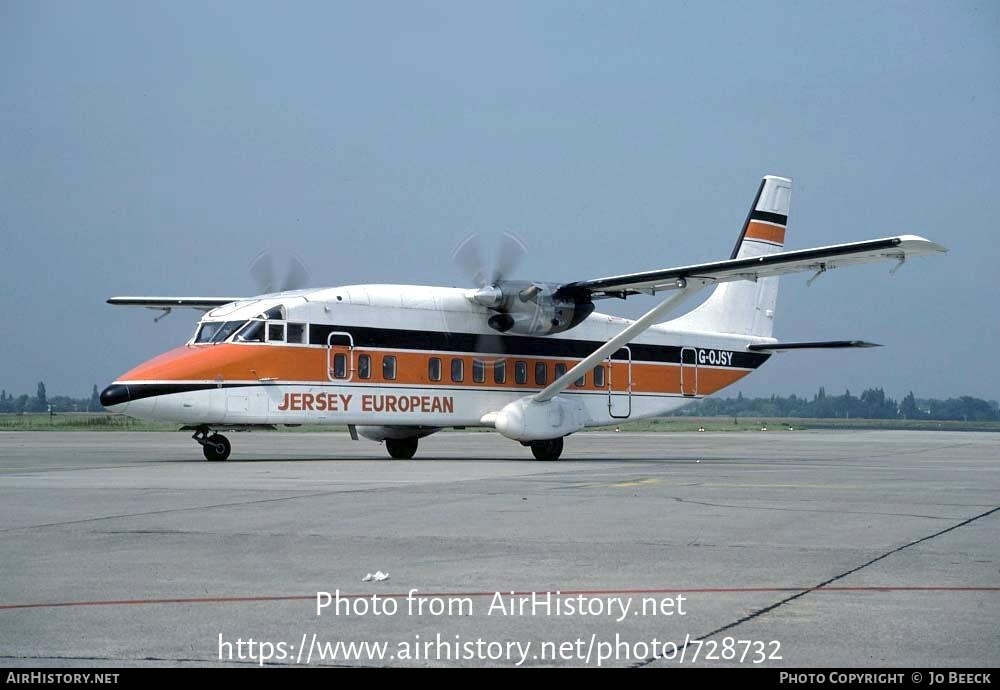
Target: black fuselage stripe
(470, 343)
(138, 391)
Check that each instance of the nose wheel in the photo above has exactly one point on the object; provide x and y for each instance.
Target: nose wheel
(216, 447)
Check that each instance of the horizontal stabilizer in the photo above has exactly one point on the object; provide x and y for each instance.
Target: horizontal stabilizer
(818, 345)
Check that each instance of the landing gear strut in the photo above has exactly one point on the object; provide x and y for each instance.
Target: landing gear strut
(401, 448)
(549, 449)
(216, 447)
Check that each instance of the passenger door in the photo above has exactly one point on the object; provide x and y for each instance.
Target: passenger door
(620, 383)
(340, 364)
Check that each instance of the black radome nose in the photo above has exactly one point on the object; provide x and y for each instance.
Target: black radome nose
(115, 394)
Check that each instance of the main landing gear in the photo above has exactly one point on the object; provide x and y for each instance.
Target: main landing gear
(549, 449)
(216, 447)
(401, 448)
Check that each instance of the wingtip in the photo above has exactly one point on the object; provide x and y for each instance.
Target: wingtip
(924, 243)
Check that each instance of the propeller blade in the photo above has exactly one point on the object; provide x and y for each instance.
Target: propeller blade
(262, 272)
(297, 276)
(468, 255)
(511, 250)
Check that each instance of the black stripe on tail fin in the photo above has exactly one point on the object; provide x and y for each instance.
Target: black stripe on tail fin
(746, 223)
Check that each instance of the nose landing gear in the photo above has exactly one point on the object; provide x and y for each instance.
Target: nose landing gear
(216, 447)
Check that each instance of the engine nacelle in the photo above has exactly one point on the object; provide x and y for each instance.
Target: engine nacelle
(527, 420)
(524, 308)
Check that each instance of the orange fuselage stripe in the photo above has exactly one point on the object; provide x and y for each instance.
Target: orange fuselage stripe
(279, 364)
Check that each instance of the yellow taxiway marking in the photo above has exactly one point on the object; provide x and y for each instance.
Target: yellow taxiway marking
(637, 482)
(619, 485)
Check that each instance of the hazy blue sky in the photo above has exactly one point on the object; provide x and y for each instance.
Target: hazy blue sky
(156, 148)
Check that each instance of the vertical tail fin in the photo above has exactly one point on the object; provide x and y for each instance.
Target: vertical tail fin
(746, 307)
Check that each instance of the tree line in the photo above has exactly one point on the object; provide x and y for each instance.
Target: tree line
(41, 402)
(873, 403)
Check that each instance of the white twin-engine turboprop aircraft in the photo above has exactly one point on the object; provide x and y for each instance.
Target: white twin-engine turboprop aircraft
(532, 360)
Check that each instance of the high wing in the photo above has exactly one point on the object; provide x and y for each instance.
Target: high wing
(168, 304)
(817, 259)
(203, 303)
(686, 280)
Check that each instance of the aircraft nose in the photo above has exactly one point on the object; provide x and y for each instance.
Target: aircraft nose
(115, 394)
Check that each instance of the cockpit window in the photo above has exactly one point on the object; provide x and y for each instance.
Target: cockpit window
(228, 328)
(217, 331)
(276, 332)
(253, 332)
(275, 313)
(296, 333)
(206, 331)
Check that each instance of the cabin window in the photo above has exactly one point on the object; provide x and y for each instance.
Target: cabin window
(581, 382)
(478, 370)
(500, 371)
(296, 333)
(457, 370)
(599, 376)
(364, 366)
(389, 368)
(541, 373)
(520, 372)
(560, 370)
(276, 332)
(340, 366)
(434, 368)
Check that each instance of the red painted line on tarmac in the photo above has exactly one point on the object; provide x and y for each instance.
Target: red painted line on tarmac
(563, 593)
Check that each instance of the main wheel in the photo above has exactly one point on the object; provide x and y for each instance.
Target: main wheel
(550, 449)
(401, 448)
(217, 448)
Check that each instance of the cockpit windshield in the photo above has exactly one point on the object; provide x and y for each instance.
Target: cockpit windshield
(253, 332)
(217, 331)
(247, 331)
(206, 331)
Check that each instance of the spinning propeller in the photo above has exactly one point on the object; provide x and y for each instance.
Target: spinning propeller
(491, 279)
(262, 271)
